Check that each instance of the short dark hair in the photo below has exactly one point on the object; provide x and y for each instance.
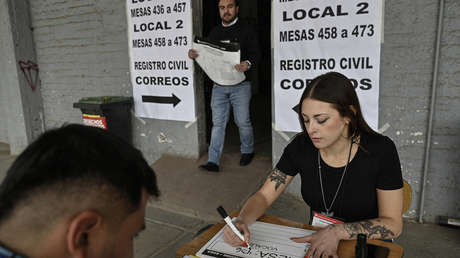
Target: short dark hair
(336, 89)
(81, 157)
(237, 2)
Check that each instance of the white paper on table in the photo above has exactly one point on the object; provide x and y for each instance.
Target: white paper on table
(219, 64)
(267, 240)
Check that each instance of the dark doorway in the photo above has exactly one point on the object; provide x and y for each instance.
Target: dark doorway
(257, 13)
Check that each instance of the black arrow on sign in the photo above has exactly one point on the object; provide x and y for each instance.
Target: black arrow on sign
(296, 108)
(162, 100)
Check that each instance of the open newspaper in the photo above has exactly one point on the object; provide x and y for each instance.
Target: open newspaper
(218, 60)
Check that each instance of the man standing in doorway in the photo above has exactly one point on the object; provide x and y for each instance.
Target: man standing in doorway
(237, 96)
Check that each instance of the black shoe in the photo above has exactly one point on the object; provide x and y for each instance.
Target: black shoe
(210, 166)
(246, 158)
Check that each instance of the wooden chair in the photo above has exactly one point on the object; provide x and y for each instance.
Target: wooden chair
(407, 193)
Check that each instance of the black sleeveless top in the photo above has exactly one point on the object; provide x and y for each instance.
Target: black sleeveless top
(375, 166)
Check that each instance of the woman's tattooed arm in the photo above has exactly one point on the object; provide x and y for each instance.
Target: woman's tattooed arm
(374, 229)
(278, 177)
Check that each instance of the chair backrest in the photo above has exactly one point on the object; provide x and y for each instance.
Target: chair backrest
(407, 193)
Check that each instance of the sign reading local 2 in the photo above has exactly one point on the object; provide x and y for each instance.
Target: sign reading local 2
(316, 36)
(160, 35)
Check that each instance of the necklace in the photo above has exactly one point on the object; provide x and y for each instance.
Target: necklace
(328, 212)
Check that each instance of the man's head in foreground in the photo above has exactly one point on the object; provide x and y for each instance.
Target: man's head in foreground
(76, 191)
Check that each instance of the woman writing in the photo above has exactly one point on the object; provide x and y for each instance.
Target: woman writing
(347, 171)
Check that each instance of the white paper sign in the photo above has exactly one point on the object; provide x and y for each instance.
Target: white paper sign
(160, 36)
(318, 36)
(267, 240)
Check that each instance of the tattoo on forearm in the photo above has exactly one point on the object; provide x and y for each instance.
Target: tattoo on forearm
(368, 228)
(278, 177)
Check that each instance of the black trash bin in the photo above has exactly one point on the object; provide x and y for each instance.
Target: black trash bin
(112, 113)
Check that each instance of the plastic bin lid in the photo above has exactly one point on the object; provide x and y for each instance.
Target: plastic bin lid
(105, 100)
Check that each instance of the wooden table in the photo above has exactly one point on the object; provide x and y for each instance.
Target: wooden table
(346, 247)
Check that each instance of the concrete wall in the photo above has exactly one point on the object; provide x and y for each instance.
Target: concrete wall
(406, 75)
(443, 185)
(3, 125)
(5, 47)
(82, 49)
(21, 101)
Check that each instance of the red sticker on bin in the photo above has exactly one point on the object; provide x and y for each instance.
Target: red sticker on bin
(95, 120)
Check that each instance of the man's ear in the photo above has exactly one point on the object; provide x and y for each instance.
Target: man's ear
(80, 229)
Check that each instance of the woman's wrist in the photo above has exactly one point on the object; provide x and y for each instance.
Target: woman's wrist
(238, 219)
(338, 230)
